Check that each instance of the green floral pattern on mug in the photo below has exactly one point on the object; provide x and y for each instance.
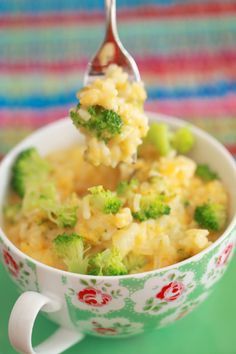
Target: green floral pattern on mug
(183, 310)
(162, 293)
(216, 265)
(98, 296)
(114, 306)
(154, 299)
(119, 327)
(22, 272)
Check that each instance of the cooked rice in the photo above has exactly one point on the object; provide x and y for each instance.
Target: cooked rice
(117, 93)
(164, 241)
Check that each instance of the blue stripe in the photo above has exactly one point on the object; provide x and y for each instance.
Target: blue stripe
(218, 89)
(63, 99)
(33, 6)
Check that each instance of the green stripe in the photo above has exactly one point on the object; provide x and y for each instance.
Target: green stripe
(58, 42)
(223, 128)
(162, 27)
(10, 137)
(45, 84)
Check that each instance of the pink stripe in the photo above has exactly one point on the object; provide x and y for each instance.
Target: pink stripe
(191, 79)
(217, 108)
(142, 12)
(53, 67)
(30, 119)
(202, 62)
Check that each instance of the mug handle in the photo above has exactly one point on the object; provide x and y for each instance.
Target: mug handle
(22, 320)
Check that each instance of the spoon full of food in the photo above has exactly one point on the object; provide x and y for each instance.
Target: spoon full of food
(110, 110)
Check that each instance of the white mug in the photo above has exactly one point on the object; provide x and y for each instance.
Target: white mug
(118, 306)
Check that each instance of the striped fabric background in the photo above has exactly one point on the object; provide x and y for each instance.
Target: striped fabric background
(185, 49)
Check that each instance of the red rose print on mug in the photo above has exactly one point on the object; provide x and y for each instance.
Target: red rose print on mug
(171, 291)
(93, 297)
(99, 296)
(105, 331)
(11, 263)
(217, 264)
(110, 326)
(164, 292)
(223, 258)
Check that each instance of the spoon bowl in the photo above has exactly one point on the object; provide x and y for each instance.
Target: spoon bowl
(111, 51)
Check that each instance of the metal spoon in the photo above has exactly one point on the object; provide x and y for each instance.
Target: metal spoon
(111, 51)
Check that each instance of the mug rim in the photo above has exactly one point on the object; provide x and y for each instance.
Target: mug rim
(162, 117)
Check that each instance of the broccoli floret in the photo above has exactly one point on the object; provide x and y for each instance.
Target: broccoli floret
(105, 200)
(134, 262)
(47, 200)
(65, 215)
(163, 140)
(37, 197)
(108, 262)
(103, 123)
(29, 179)
(124, 186)
(159, 136)
(183, 140)
(151, 208)
(211, 216)
(70, 248)
(29, 167)
(205, 173)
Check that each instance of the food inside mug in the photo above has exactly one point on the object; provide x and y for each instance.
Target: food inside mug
(127, 201)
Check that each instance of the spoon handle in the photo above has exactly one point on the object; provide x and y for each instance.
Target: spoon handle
(111, 26)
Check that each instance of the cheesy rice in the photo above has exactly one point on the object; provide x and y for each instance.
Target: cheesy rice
(156, 242)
